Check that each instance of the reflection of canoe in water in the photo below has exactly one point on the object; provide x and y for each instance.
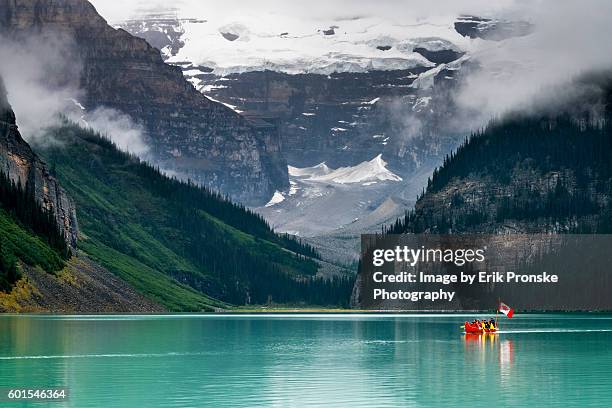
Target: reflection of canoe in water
(478, 328)
(488, 338)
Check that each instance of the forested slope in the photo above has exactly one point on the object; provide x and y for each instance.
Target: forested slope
(522, 175)
(179, 244)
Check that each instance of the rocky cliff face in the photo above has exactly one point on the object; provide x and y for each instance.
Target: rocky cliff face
(189, 134)
(83, 287)
(22, 165)
(346, 118)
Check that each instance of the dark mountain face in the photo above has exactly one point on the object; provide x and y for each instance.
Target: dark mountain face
(525, 175)
(166, 35)
(546, 170)
(491, 29)
(189, 134)
(347, 118)
(20, 164)
(439, 56)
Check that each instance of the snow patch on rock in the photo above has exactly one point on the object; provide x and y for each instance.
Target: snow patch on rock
(367, 173)
(277, 198)
(320, 169)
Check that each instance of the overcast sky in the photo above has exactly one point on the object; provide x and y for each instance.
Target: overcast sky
(115, 11)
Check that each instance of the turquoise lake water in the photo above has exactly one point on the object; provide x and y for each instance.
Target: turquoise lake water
(309, 360)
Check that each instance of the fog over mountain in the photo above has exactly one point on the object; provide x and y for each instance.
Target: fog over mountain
(568, 38)
(349, 81)
(313, 10)
(41, 79)
(25, 71)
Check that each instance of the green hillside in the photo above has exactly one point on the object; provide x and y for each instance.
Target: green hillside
(179, 244)
(27, 233)
(19, 243)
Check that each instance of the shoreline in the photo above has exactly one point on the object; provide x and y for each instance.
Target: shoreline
(306, 312)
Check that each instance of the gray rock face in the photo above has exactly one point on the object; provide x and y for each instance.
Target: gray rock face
(164, 33)
(346, 118)
(189, 134)
(22, 165)
(490, 29)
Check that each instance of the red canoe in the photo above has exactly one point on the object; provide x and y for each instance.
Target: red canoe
(477, 328)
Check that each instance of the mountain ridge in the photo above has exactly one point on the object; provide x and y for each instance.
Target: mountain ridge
(188, 133)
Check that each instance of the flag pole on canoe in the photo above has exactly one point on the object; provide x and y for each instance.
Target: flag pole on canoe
(497, 312)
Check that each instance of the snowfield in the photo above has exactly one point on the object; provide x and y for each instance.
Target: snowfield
(347, 200)
(278, 197)
(290, 45)
(369, 171)
(309, 172)
(231, 38)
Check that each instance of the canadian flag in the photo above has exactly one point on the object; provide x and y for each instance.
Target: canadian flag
(507, 310)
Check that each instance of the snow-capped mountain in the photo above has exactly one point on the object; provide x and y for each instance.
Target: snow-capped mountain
(309, 173)
(228, 39)
(344, 90)
(369, 172)
(324, 200)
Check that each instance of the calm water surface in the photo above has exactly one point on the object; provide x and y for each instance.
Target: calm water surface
(309, 360)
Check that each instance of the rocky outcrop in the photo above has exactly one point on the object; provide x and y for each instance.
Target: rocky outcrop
(189, 134)
(443, 56)
(164, 31)
(22, 165)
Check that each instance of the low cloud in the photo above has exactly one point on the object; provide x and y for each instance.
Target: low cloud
(539, 71)
(320, 10)
(41, 74)
(128, 135)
